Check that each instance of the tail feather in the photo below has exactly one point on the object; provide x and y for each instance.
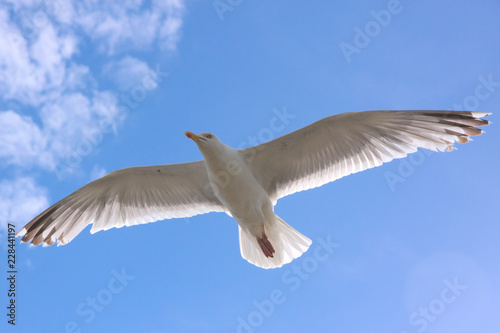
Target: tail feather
(288, 244)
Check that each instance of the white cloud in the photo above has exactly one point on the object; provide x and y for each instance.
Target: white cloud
(67, 130)
(37, 48)
(41, 71)
(77, 77)
(19, 4)
(126, 25)
(24, 143)
(21, 199)
(18, 79)
(47, 56)
(21, 140)
(128, 72)
(32, 71)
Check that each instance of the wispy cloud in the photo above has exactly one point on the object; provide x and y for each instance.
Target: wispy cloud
(21, 140)
(127, 71)
(20, 200)
(63, 121)
(125, 25)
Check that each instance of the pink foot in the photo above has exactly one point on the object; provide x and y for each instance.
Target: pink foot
(266, 246)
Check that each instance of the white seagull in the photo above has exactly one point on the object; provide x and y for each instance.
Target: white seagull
(247, 183)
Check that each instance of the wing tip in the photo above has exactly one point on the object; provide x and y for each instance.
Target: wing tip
(21, 233)
(476, 114)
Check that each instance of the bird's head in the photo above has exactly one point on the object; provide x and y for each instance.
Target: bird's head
(206, 142)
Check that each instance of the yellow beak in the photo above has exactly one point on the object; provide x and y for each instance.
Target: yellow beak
(193, 136)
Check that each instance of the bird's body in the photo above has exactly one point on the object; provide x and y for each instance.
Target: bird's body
(247, 183)
(234, 187)
(233, 183)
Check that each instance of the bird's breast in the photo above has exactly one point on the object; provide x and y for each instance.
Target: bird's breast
(235, 186)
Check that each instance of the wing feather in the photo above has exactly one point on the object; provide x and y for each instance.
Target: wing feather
(351, 142)
(124, 198)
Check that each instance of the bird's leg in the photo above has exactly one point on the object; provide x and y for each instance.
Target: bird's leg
(266, 246)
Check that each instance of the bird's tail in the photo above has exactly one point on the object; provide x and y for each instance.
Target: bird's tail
(287, 243)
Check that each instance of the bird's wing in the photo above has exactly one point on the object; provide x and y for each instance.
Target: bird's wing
(126, 197)
(351, 142)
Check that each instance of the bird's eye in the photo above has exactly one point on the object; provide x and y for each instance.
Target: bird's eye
(209, 136)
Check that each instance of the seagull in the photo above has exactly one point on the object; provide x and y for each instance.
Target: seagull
(247, 183)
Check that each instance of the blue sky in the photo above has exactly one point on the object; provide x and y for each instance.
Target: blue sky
(89, 87)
